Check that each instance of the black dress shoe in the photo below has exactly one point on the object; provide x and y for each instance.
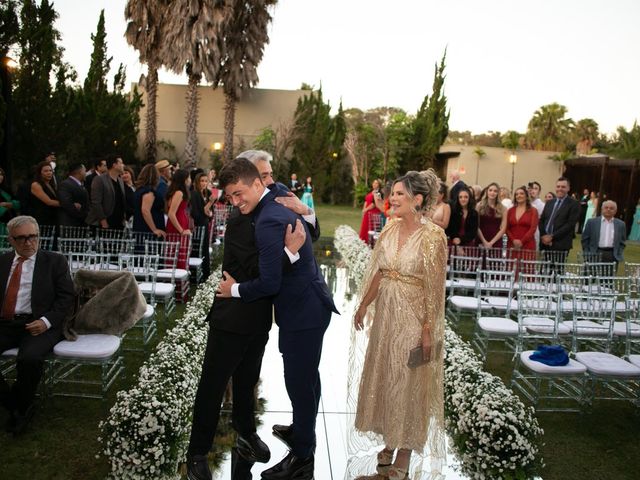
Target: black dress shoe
(291, 468)
(253, 449)
(285, 434)
(22, 420)
(198, 468)
(240, 466)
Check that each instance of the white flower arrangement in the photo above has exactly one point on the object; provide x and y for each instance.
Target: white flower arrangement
(146, 433)
(493, 434)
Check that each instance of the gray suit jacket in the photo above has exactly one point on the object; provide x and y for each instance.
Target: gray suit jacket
(591, 236)
(103, 198)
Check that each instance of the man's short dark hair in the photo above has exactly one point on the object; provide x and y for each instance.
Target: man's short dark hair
(75, 168)
(112, 160)
(97, 161)
(237, 170)
(564, 179)
(531, 184)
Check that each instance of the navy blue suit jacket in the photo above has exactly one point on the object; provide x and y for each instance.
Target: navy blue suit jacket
(301, 297)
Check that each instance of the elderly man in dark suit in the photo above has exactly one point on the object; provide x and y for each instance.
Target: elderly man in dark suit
(37, 294)
(605, 234)
(456, 186)
(108, 197)
(301, 329)
(73, 197)
(557, 223)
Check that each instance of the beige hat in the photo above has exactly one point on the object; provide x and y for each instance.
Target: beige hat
(160, 164)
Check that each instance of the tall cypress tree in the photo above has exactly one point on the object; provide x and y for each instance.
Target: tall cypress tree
(431, 125)
(96, 80)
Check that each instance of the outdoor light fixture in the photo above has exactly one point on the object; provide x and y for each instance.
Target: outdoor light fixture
(10, 63)
(513, 159)
(217, 146)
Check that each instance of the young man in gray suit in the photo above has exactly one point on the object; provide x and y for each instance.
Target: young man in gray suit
(605, 234)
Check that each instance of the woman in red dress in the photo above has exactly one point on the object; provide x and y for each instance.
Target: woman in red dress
(178, 211)
(370, 210)
(522, 223)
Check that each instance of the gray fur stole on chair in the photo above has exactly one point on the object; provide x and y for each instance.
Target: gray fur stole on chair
(109, 302)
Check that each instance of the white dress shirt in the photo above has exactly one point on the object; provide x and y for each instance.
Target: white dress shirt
(23, 300)
(606, 233)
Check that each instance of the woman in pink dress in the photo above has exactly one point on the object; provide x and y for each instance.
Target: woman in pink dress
(178, 212)
(369, 210)
(522, 223)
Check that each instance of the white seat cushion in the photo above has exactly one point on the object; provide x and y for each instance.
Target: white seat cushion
(543, 325)
(149, 311)
(12, 352)
(88, 346)
(447, 284)
(587, 327)
(571, 368)
(500, 303)
(620, 329)
(498, 325)
(195, 262)
(161, 290)
(468, 303)
(166, 273)
(635, 360)
(464, 283)
(606, 364)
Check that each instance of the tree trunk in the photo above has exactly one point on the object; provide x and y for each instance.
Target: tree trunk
(152, 93)
(229, 125)
(630, 204)
(191, 145)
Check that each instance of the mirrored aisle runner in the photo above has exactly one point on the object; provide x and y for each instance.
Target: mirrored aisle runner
(334, 423)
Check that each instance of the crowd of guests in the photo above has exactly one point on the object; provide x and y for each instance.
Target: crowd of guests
(487, 217)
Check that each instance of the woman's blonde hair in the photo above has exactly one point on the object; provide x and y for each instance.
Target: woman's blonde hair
(483, 204)
(425, 183)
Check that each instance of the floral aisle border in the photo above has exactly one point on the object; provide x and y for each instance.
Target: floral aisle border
(493, 433)
(146, 433)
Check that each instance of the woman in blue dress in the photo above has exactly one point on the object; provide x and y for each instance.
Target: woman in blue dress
(592, 207)
(635, 227)
(307, 195)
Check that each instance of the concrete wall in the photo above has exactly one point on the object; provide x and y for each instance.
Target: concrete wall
(495, 167)
(259, 108)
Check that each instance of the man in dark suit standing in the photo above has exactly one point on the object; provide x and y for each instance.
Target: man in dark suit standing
(99, 167)
(557, 224)
(456, 186)
(37, 294)
(294, 185)
(301, 329)
(108, 198)
(73, 196)
(605, 234)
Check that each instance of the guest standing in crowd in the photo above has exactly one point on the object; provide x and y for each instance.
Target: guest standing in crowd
(399, 401)
(307, 193)
(463, 226)
(129, 179)
(74, 199)
(165, 172)
(177, 206)
(44, 204)
(369, 209)
(505, 198)
(558, 221)
(9, 206)
(549, 196)
(456, 186)
(522, 223)
(477, 192)
(440, 214)
(635, 227)
(534, 189)
(592, 208)
(584, 204)
(382, 203)
(108, 201)
(295, 186)
(99, 167)
(492, 218)
(201, 212)
(148, 213)
(605, 235)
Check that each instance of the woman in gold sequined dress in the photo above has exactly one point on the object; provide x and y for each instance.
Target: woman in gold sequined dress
(404, 295)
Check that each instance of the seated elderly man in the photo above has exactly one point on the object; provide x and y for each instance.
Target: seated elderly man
(36, 294)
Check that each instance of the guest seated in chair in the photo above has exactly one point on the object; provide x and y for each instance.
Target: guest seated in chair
(36, 294)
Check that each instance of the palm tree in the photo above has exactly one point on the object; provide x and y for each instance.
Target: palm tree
(586, 135)
(548, 129)
(191, 44)
(479, 153)
(144, 33)
(242, 47)
(627, 145)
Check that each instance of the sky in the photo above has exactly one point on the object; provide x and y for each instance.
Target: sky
(505, 58)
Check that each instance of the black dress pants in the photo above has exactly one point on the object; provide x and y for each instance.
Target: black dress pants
(228, 355)
(32, 351)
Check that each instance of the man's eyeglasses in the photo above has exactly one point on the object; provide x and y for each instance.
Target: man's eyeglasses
(25, 238)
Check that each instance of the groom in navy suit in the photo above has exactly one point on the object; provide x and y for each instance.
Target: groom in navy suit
(302, 304)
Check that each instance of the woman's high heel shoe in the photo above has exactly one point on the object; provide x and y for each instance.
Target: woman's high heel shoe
(396, 473)
(385, 458)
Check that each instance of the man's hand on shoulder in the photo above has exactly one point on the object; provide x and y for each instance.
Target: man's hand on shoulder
(294, 239)
(294, 204)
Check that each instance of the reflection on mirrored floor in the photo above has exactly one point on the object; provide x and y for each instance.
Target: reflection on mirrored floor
(334, 421)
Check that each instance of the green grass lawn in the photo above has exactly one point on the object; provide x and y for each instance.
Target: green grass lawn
(62, 442)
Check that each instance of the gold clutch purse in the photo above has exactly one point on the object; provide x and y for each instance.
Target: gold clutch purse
(416, 358)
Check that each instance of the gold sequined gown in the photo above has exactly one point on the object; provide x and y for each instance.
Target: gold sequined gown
(404, 406)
